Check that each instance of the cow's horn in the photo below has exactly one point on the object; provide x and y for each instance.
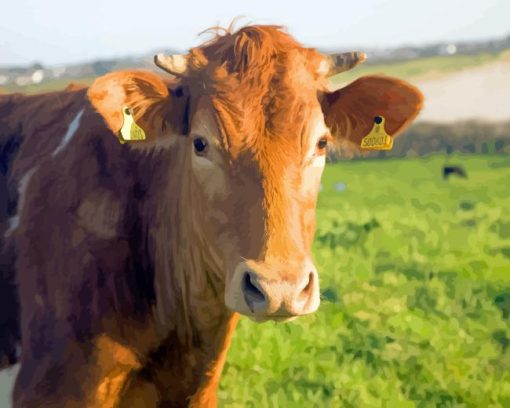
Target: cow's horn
(173, 64)
(345, 61)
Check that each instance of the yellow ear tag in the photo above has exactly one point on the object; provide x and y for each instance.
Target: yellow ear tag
(377, 139)
(130, 130)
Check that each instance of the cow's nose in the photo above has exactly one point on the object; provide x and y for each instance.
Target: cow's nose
(254, 295)
(264, 291)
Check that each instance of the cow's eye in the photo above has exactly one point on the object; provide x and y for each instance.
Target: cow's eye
(321, 145)
(200, 145)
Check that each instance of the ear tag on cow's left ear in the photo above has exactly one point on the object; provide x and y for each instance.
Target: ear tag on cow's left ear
(130, 130)
(377, 139)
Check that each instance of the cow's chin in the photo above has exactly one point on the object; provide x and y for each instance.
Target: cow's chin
(264, 319)
(274, 319)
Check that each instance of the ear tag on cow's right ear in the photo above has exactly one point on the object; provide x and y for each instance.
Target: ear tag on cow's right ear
(377, 139)
(130, 130)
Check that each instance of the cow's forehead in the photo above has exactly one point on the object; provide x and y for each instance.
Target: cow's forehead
(277, 111)
(261, 151)
(262, 86)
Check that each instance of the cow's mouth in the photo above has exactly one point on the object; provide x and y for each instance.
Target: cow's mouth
(274, 319)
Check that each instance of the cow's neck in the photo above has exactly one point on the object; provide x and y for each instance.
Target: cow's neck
(190, 308)
(188, 301)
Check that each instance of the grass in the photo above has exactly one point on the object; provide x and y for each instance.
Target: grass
(415, 283)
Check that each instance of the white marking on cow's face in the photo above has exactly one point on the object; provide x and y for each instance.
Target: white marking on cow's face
(22, 188)
(318, 130)
(314, 160)
(208, 166)
(71, 131)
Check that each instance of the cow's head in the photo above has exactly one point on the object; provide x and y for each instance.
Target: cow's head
(258, 119)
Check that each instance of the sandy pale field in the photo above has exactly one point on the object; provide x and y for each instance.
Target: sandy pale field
(478, 93)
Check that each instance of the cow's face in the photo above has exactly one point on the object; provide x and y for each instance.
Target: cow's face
(258, 122)
(256, 199)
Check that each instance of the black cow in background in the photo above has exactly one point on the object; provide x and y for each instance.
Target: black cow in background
(456, 170)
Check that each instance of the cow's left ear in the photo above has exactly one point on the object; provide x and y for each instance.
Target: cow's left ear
(349, 112)
(154, 106)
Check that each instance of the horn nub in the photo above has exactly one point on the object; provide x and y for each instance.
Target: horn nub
(346, 61)
(173, 64)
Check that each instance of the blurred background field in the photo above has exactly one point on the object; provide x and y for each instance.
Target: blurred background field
(415, 282)
(426, 67)
(461, 81)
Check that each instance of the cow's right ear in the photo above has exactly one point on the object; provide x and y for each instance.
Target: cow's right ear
(157, 109)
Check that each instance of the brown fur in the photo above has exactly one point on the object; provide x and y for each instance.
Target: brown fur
(123, 259)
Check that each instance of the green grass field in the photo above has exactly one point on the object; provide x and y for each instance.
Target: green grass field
(415, 282)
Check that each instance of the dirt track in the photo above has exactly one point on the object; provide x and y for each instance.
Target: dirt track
(478, 93)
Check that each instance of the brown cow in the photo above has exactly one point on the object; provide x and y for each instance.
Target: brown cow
(134, 260)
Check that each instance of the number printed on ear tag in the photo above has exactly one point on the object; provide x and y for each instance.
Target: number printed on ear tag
(377, 139)
(130, 130)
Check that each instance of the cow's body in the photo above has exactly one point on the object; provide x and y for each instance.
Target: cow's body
(90, 203)
(132, 259)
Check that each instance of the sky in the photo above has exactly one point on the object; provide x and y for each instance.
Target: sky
(54, 32)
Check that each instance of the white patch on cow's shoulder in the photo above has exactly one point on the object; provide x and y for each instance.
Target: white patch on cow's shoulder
(71, 131)
(7, 380)
(22, 188)
(13, 225)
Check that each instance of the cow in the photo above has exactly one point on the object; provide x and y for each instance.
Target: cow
(126, 262)
(457, 170)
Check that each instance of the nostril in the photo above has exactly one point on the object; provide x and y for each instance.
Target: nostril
(307, 290)
(252, 294)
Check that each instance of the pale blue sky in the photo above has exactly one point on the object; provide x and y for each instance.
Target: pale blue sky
(63, 31)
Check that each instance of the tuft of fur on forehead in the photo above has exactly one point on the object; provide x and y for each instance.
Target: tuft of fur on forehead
(262, 83)
(248, 52)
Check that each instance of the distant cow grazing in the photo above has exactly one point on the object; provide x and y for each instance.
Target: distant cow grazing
(134, 260)
(457, 170)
